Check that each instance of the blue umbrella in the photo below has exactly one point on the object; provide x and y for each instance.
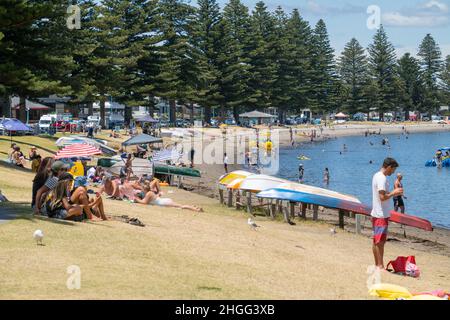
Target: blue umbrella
(14, 125)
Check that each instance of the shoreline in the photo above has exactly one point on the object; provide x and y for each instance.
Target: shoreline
(437, 240)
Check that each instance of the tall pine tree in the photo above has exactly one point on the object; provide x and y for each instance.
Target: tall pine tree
(408, 69)
(207, 38)
(299, 62)
(262, 53)
(382, 63)
(233, 60)
(430, 60)
(353, 73)
(324, 70)
(445, 76)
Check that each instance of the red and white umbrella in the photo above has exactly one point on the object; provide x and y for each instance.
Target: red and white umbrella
(77, 150)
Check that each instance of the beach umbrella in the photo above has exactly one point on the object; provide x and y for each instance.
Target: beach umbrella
(146, 119)
(67, 141)
(341, 115)
(77, 151)
(14, 125)
(167, 154)
(141, 139)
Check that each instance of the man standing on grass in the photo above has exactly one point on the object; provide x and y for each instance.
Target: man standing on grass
(381, 208)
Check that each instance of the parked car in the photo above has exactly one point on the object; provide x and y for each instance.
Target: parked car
(230, 122)
(182, 123)
(164, 123)
(214, 123)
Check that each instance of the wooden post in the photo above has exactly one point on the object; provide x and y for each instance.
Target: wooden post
(315, 212)
(221, 196)
(341, 219)
(292, 209)
(303, 206)
(249, 202)
(230, 198)
(273, 210)
(238, 199)
(286, 215)
(358, 223)
(280, 205)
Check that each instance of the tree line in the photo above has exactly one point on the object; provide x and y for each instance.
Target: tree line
(232, 59)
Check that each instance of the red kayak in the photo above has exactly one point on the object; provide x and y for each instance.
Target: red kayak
(335, 203)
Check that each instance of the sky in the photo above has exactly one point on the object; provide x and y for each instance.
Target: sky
(406, 22)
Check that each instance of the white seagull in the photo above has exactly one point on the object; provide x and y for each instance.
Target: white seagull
(333, 231)
(252, 224)
(38, 235)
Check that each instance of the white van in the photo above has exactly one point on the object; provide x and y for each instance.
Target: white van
(45, 122)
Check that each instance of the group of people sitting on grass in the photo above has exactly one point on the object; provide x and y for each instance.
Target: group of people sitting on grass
(143, 191)
(17, 157)
(57, 194)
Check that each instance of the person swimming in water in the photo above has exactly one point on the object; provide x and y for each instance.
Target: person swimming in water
(301, 173)
(326, 176)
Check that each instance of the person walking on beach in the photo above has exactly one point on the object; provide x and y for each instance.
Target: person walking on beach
(381, 208)
(291, 133)
(301, 173)
(225, 162)
(326, 176)
(129, 166)
(398, 200)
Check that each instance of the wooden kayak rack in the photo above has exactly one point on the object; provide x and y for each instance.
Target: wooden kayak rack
(276, 206)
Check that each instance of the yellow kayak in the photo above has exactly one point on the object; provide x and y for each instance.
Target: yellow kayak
(230, 178)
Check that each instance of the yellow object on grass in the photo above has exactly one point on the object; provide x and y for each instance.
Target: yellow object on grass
(77, 170)
(389, 291)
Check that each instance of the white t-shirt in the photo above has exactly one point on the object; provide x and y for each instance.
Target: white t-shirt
(381, 209)
(225, 160)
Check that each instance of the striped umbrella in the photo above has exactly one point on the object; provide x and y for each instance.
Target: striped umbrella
(167, 154)
(77, 150)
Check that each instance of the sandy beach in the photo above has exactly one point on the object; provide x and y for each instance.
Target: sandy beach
(185, 255)
(211, 255)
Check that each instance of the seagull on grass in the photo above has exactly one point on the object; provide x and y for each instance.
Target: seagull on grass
(38, 235)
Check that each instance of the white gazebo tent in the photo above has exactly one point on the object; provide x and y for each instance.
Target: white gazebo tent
(256, 117)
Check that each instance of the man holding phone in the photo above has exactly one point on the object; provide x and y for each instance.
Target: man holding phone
(381, 208)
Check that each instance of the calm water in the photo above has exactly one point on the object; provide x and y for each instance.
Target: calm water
(427, 189)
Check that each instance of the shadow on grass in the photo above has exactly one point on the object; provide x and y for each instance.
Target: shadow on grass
(5, 164)
(22, 211)
(31, 144)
